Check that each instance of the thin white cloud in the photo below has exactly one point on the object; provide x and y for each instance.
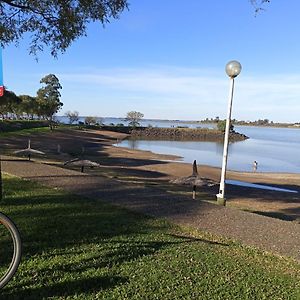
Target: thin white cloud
(195, 92)
(150, 81)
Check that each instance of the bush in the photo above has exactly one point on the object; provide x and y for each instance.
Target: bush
(221, 125)
(9, 125)
(90, 120)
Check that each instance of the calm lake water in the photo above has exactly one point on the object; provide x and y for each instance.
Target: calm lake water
(275, 150)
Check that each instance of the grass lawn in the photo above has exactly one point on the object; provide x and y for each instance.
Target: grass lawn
(35, 130)
(79, 248)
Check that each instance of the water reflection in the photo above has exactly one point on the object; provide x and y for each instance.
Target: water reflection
(271, 156)
(133, 144)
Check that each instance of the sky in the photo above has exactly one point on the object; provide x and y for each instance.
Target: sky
(167, 60)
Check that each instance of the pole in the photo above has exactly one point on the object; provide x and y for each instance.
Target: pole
(221, 196)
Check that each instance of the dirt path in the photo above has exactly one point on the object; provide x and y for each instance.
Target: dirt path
(269, 234)
(139, 180)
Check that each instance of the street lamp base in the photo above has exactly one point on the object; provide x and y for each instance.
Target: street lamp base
(221, 200)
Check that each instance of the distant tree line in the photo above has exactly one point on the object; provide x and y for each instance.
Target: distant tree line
(259, 122)
(132, 117)
(43, 106)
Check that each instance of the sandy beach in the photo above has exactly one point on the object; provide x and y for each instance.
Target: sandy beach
(136, 165)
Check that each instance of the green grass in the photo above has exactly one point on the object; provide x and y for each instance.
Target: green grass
(16, 125)
(79, 248)
(24, 132)
(36, 130)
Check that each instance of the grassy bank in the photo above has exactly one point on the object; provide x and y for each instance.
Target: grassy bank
(78, 248)
(11, 125)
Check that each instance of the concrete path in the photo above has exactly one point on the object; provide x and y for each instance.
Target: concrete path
(269, 234)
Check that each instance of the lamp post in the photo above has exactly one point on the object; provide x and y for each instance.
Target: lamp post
(233, 69)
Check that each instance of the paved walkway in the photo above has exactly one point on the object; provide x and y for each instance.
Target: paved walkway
(269, 234)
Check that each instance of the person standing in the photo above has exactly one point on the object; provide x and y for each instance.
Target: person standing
(255, 166)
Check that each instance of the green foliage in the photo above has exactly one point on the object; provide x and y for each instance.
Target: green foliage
(9, 103)
(8, 126)
(54, 24)
(28, 105)
(48, 97)
(221, 125)
(133, 118)
(80, 248)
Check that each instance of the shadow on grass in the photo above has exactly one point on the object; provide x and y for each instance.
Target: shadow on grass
(65, 289)
(66, 235)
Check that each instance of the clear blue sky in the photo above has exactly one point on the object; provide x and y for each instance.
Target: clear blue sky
(166, 59)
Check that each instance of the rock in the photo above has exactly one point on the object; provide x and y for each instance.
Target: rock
(199, 134)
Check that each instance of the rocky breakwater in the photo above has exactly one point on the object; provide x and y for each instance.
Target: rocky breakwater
(184, 134)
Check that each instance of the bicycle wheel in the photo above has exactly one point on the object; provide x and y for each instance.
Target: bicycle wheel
(10, 249)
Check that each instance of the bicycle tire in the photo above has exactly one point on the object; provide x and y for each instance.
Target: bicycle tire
(17, 249)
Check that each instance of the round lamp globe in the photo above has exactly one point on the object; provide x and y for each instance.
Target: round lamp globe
(233, 68)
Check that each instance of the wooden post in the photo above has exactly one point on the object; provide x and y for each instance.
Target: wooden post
(195, 173)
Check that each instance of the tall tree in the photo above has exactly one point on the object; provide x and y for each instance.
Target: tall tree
(28, 105)
(48, 97)
(9, 102)
(55, 24)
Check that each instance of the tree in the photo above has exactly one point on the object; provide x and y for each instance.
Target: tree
(9, 103)
(73, 116)
(28, 105)
(90, 120)
(48, 98)
(55, 24)
(222, 126)
(133, 117)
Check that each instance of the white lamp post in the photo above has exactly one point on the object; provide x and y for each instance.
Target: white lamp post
(233, 69)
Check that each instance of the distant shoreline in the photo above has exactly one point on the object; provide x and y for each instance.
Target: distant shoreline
(192, 122)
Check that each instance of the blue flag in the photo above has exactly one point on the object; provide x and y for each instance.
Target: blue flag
(1, 72)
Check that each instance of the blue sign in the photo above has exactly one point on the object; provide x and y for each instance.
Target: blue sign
(1, 72)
